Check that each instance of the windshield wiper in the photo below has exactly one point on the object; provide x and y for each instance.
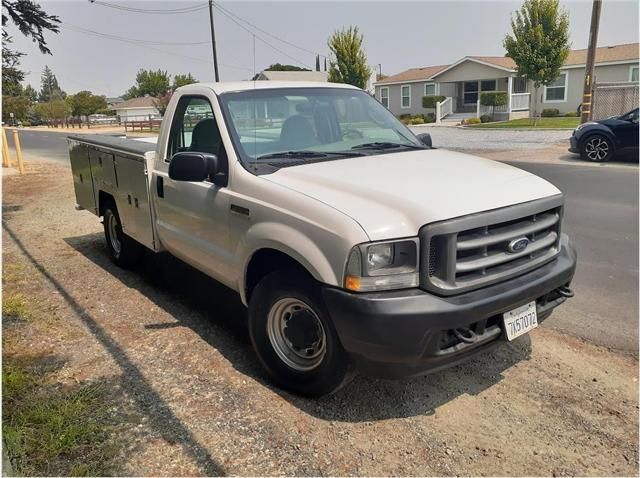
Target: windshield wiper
(305, 154)
(386, 145)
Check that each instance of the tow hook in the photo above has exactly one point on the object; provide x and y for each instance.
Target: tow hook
(465, 335)
(565, 291)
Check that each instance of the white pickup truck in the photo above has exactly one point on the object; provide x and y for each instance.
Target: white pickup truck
(355, 245)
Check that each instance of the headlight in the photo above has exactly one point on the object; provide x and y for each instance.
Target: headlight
(383, 266)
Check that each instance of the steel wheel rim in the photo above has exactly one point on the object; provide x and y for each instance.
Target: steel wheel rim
(112, 224)
(597, 149)
(301, 359)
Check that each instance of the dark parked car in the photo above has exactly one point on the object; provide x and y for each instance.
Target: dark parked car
(603, 139)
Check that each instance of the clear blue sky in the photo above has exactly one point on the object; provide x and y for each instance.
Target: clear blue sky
(399, 35)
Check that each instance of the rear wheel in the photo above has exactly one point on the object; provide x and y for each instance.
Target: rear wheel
(597, 148)
(294, 337)
(124, 251)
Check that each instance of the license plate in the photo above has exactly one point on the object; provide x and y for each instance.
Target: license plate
(521, 320)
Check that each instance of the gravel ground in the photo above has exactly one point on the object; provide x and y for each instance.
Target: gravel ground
(492, 139)
(198, 403)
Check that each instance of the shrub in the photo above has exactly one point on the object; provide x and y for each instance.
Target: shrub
(486, 119)
(493, 98)
(430, 101)
(404, 116)
(571, 114)
(419, 116)
(430, 118)
(26, 124)
(550, 112)
(471, 121)
(417, 121)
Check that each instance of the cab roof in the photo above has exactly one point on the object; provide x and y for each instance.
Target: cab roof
(225, 87)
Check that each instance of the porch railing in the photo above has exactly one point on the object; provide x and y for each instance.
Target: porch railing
(443, 108)
(520, 101)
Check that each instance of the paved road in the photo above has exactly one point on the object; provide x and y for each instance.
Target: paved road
(601, 217)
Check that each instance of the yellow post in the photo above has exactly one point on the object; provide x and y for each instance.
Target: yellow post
(6, 158)
(16, 144)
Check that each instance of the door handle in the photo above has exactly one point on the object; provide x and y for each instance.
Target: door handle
(160, 186)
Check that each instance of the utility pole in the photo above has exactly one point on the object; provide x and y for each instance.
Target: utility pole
(591, 59)
(213, 43)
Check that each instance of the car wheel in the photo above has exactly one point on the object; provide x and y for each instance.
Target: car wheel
(294, 337)
(124, 251)
(597, 148)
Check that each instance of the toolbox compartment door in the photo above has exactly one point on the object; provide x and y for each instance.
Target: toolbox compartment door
(82, 176)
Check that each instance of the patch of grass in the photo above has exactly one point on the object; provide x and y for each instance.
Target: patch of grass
(558, 122)
(11, 273)
(52, 430)
(16, 306)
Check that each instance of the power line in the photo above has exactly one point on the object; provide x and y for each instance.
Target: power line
(262, 39)
(193, 8)
(140, 44)
(221, 8)
(136, 40)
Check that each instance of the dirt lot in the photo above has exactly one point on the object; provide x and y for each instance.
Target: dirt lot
(193, 400)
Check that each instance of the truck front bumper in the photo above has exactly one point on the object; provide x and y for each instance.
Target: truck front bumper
(411, 332)
(573, 145)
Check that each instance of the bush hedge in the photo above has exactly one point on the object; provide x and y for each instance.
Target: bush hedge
(571, 114)
(417, 120)
(486, 119)
(471, 121)
(430, 118)
(493, 98)
(430, 101)
(550, 112)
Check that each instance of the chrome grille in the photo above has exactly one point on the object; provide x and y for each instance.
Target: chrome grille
(473, 251)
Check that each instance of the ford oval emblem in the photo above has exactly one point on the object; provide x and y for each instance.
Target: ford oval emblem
(518, 245)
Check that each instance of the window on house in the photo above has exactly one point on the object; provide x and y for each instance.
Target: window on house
(634, 74)
(405, 92)
(488, 85)
(384, 97)
(429, 89)
(519, 84)
(557, 90)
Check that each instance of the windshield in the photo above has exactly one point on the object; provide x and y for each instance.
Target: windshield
(274, 128)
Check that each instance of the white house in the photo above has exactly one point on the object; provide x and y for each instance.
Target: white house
(462, 82)
(137, 109)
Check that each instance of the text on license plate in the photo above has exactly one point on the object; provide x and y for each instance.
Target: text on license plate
(521, 320)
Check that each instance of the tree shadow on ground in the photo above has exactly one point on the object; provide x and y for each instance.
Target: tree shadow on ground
(173, 285)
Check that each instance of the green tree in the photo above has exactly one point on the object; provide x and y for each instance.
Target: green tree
(149, 82)
(31, 93)
(12, 75)
(55, 109)
(32, 22)
(349, 61)
(539, 43)
(280, 67)
(182, 80)
(18, 105)
(49, 87)
(30, 19)
(85, 103)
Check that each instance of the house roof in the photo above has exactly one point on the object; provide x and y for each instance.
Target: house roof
(625, 52)
(142, 102)
(293, 75)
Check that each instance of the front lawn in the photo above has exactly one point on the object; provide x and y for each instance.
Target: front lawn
(559, 122)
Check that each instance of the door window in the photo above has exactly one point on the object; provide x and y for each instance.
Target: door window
(470, 92)
(194, 127)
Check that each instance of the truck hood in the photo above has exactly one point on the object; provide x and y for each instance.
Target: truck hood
(393, 195)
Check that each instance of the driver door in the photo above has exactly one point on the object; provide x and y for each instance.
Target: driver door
(192, 217)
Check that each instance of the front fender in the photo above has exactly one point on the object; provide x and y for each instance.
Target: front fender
(298, 246)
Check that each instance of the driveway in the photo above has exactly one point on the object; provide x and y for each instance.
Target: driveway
(453, 137)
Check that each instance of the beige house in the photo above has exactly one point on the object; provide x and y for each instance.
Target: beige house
(462, 82)
(137, 109)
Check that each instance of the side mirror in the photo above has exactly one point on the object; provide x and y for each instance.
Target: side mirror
(190, 166)
(425, 139)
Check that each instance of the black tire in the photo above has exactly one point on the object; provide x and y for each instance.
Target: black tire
(129, 252)
(335, 368)
(596, 148)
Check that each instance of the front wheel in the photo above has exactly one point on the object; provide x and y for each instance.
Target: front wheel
(294, 337)
(124, 251)
(597, 148)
